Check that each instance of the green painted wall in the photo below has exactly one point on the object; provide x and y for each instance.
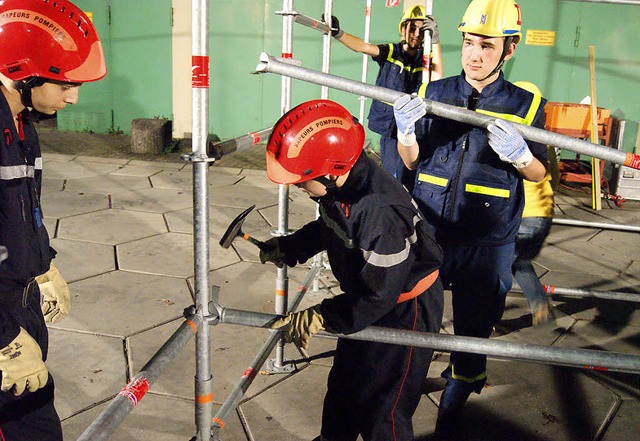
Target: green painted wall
(139, 57)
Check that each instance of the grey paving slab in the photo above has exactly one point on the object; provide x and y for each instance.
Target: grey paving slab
(168, 254)
(87, 369)
(122, 303)
(100, 160)
(52, 185)
(624, 423)
(116, 226)
(68, 203)
(59, 157)
(183, 179)
(108, 184)
(292, 410)
(137, 170)
(583, 257)
(625, 244)
(76, 170)
(219, 219)
(244, 196)
(163, 164)
(78, 260)
(154, 200)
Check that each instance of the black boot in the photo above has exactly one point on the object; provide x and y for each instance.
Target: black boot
(454, 396)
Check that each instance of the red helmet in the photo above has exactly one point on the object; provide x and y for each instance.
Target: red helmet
(316, 138)
(48, 39)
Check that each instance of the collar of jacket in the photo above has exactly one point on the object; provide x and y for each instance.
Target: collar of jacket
(487, 91)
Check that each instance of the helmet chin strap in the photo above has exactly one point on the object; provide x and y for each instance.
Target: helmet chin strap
(329, 184)
(505, 49)
(25, 86)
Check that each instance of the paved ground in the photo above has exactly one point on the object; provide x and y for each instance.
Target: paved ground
(123, 229)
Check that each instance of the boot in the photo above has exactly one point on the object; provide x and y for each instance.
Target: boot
(454, 396)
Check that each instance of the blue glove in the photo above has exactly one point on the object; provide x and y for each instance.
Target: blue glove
(509, 144)
(407, 110)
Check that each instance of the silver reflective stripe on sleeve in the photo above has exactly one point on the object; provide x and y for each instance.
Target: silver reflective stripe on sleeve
(8, 172)
(389, 260)
(39, 163)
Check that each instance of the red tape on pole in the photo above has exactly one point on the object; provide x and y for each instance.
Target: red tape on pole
(135, 390)
(199, 71)
(632, 160)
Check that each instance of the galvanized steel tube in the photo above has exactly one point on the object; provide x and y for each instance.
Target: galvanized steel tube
(240, 143)
(110, 418)
(601, 225)
(273, 65)
(575, 357)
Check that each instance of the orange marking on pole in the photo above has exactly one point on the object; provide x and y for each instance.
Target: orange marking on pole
(193, 326)
(280, 292)
(287, 55)
(219, 422)
(204, 399)
(245, 236)
(632, 160)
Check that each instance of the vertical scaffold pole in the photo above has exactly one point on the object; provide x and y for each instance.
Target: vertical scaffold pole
(282, 279)
(365, 57)
(426, 47)
(200, 129)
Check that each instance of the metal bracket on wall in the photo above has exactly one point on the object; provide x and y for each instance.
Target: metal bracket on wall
(576, 41)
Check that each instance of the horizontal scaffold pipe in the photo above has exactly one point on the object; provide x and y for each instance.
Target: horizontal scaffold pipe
(600, 225)
(278, 66)
(589, 294)
(312, 23)
(218, 149)
(122, 405)
(574, 357)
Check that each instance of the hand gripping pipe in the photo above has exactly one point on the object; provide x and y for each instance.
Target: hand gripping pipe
(575, 357)
(273, 65)
(110, 418)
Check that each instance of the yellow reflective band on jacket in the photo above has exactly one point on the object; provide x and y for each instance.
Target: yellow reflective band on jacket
(527, 120)
(392, 59)
(442, 182)
(455, 376)
(489, 191)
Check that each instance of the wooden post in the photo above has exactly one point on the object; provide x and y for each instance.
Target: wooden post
(596, 198)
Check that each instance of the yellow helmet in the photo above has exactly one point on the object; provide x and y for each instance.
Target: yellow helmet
(529, 87)
(415, 13)
(492, 18)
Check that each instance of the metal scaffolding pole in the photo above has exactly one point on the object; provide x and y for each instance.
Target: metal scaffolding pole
(365, 57)
(573, 357)
(200, 107)
(601, 225)
(326, 47)
(577, 293)
(219, 149)
(282, 279)
(236, 395)
(273, 65)
(110, 418)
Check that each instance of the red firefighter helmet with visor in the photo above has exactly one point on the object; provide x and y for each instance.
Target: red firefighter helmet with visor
(316, 138)
(49, 39)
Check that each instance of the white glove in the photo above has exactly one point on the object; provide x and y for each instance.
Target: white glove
(509, 144)
(22, 366)
(56, 300)
(406, 111)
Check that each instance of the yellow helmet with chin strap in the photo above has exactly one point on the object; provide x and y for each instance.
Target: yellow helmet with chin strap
(493, 18)
(414, 13)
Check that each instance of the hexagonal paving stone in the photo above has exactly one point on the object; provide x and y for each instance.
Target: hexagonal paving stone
(69, 203)
(78, 260)
(219, 220)
(184, 179)
(108, 184)
(88, 368)
(121, 303)
(168, 254)
(111, 226)
(623, 243)
(51, 185)
(76, 170)
(154, 200)
(244, 196)
(582, 257)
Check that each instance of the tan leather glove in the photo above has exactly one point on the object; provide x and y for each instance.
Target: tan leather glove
(22, 366)
(300, 326)
(56, 300)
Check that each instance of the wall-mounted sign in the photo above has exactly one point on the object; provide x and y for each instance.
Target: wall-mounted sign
(540, 38)
(392, 3)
